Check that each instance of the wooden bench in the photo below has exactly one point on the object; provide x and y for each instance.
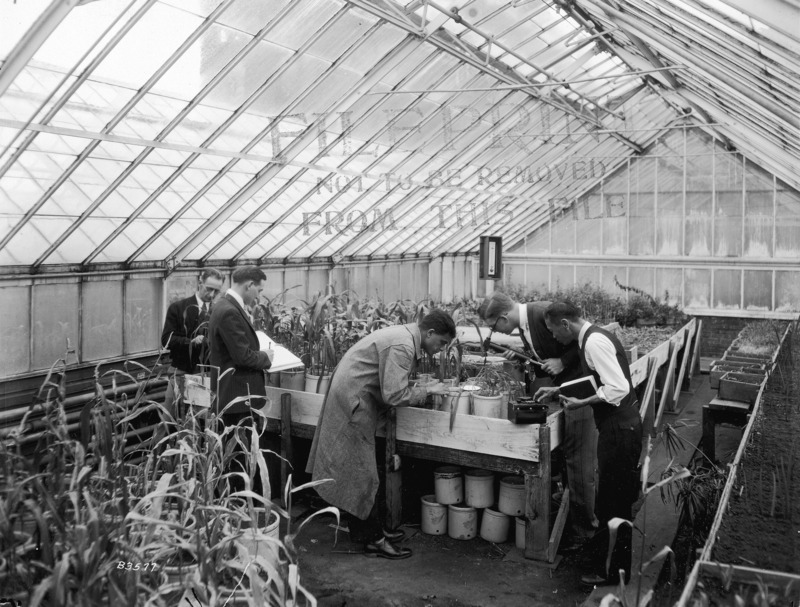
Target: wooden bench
(720, 411)
(480, 442)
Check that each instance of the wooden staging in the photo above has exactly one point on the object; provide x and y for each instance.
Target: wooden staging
(479, 442)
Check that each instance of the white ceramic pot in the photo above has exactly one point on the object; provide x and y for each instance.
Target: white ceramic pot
(434, 516)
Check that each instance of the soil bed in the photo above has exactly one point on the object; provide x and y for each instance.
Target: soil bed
(646, 338)
(760, 528)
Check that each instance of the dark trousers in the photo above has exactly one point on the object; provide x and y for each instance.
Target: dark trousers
(371, 529)
(619, 446)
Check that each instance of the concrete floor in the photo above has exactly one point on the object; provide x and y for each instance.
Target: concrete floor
(444, 572)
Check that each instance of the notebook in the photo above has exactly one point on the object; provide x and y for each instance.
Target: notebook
(583, 387)
(282, 358)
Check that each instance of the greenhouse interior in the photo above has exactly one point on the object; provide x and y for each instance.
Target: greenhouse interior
(399, 303)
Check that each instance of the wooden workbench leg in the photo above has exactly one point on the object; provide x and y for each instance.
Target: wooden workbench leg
(708, 440)
(394, 479)
(286, 440)
(537, 503)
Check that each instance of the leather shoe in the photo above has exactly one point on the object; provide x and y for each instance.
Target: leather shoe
(394, 536)
(593, 579)
(385, 549)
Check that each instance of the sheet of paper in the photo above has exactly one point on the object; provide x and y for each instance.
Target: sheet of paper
(282, 358)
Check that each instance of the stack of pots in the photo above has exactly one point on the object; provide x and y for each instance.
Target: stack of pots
(454, 509)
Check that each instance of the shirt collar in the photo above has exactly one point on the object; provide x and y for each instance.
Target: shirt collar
(582, 332)
(523, 317)
(199, 301)
(413, 328)
(237, 298)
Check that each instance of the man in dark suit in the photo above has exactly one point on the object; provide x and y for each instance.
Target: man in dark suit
(184, 333)
(560, 363)
(237, 362)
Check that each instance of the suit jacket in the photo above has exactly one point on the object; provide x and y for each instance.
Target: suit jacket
(372, 376)
(234, 345)
(547, 346)
(182, 324)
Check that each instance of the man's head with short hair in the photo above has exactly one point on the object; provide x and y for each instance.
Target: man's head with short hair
(563, 320)
(245, 273)
(493, 307)
(499, 312)
(248, 282)
(437, 329)
(209, 284)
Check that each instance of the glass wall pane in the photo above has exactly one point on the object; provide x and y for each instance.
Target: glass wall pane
(697, 284)
(610, 276)
(699, 188)
(539, 241)
(787, 228)
(514, 274)
(757, 290)
(615, 208)
(561, 276)
(421, 274)
(180, 286)
(101, 321)
(142, 314)
(54, 322)
(563, 228)
(587, 275)
(787, 291)
(758, 205)
(589, 223)
(727, 289)
(728, 183)
(642, 220)
(538, 276)
(641, 278)
(317, 280)
(669, 285)
(670, 206)
(15, 330)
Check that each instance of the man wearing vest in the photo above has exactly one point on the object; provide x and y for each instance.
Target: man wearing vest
(619, 443)
(560, 363)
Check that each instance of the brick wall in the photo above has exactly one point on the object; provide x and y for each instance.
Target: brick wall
(718, 333)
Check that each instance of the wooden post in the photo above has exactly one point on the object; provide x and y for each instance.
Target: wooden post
(393, 477)
(682, 383)
(647, 410)
(694, 366)
(286, 440)
(537, 502)
(709, 426)
(668, 391)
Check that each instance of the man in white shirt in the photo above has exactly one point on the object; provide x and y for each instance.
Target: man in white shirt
(560, 363)
(619, 443)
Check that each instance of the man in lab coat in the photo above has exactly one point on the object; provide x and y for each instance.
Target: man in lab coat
(372, 376)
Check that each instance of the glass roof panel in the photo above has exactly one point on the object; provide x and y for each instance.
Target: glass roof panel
(285, 88)
(250, 72)
(250, 15)
(302, 22)
(17, 18)
(340, 34)
(76, 34)
(132, 238)
(35, 237)
(145, 48)
(201, 62)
